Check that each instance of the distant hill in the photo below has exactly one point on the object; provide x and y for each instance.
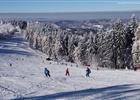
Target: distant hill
(70, 16)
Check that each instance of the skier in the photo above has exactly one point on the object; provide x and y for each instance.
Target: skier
(88, 71)
(135, 67)
(67, 72)
(47, 72)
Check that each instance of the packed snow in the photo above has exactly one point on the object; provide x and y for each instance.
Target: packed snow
(22, 77)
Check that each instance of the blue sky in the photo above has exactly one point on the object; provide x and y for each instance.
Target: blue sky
(68, 5)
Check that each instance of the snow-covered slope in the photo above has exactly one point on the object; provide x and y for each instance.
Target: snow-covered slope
(21, 76)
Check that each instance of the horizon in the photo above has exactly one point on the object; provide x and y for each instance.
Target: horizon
(70, 12)
(70, 15)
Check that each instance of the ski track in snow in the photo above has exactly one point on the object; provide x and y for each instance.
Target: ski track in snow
(25, 80)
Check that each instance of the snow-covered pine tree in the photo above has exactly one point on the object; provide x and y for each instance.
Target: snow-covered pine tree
(130, 30)
(118, 47)
(104, 41)
(136, 48)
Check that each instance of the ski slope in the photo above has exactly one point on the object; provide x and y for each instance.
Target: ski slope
(22, 77)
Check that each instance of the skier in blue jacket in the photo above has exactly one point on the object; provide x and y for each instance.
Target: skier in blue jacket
(88, 71)
(47, 72)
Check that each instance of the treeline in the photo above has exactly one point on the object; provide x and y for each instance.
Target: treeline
(108, 47)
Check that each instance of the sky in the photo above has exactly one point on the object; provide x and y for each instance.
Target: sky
(8, 6)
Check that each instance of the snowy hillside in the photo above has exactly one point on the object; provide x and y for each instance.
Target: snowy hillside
(6, 30)
(21, 76)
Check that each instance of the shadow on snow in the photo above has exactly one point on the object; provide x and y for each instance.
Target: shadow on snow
(10, 51)
(15, 41)
(18, 40)
(113, 92)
